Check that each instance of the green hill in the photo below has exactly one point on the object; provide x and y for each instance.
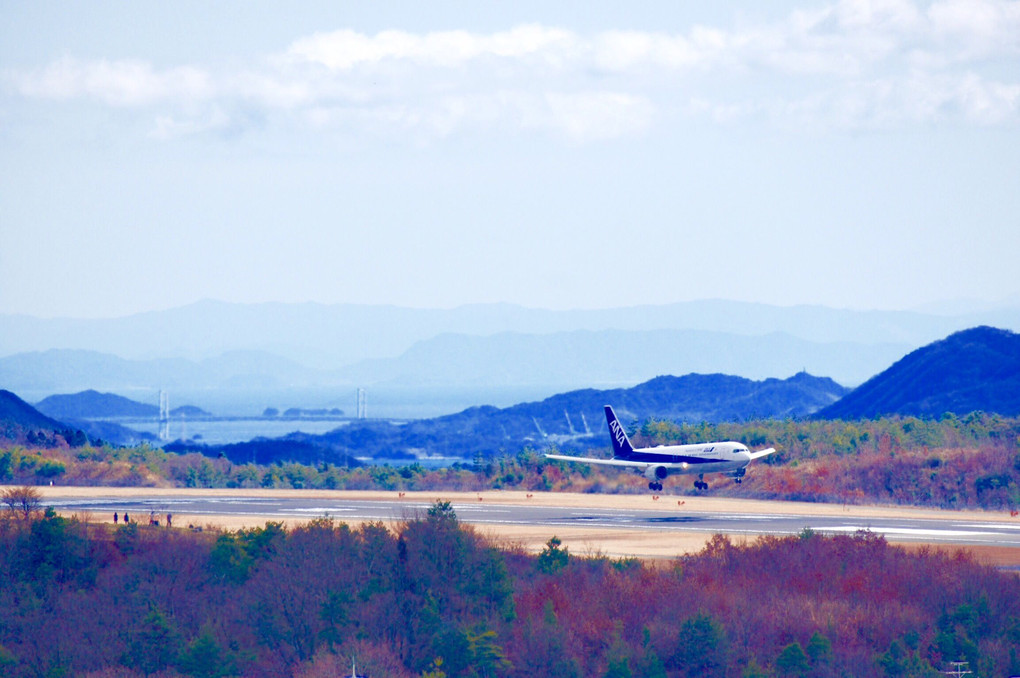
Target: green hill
(95, 405)
(92, 404)
(22, 424)
(15, 412)
(973, 370)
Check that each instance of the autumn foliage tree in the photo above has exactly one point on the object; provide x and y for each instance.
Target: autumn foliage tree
(432, 597)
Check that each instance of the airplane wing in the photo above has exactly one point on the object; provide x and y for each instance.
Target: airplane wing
(604, 462)
(762, 453)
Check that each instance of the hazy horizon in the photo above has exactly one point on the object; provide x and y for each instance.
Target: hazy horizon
(942, 307)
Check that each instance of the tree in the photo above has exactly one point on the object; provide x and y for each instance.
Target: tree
(435, 670)
(54, 549)
(618, 668)
(442, 511)
(22, 502)
(553, 558)
(648, 665)
(701, 650)
(618, 657)
(819, 652)
(487, 657)
(229, 560)
(792, 661)
(335, 613)
(753, 670)
(155, 646)
(204, 658)
(6, 463)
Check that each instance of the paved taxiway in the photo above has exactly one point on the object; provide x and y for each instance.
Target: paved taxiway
(703, 517)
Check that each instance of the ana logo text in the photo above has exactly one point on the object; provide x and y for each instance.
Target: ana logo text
(618, 433)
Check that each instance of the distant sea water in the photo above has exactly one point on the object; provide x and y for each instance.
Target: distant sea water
(237, 415)
(222, 431)
(383, 402)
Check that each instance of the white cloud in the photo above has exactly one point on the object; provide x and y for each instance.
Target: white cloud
(168, 127)
(852, 63)
(346, 49)
(977, 28)
(118, 83)
(592, 116)
(899, 16)
(988, 102)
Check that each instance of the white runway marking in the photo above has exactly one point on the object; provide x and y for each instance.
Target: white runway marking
(999, 526)
(321, 510)
(905, 530)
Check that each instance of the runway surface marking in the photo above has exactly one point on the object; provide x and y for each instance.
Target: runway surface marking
(666, 519)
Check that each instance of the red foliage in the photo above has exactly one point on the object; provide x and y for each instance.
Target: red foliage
(274, 602)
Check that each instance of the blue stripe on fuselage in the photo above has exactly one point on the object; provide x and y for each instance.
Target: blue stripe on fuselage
(659, 457)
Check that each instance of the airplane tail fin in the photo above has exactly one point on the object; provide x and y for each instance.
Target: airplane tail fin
(622, 448)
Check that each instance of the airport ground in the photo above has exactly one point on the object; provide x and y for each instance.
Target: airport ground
(617, 526)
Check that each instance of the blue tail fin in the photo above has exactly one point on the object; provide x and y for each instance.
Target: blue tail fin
(621, 443)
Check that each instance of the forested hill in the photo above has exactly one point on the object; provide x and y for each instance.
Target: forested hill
(15, 412)
(21, 423)
(92, 404)
(973, 370)
(576, 419)
(433, 598)
(88, 404)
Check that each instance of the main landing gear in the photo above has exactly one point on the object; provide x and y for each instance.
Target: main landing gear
(655, 487)
(700, 485)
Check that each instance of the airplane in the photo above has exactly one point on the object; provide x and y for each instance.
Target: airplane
(655, 463)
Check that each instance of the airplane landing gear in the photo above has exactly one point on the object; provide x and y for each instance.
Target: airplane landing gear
(700, 485)
(655, 487)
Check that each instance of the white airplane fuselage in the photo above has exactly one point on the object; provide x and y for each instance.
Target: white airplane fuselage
(721, 457)
(656, 463)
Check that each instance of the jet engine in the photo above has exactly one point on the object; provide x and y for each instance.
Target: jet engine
(654, 473)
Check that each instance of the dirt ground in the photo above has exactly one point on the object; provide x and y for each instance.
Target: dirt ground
(615, 543)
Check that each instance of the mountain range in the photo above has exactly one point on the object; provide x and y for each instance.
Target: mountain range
(572, 420)
(334, 336)
(211, 348)
(551, 363)
(972, 370)
(975, 369)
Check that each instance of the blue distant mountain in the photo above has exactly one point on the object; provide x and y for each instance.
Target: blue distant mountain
(568, 420)
(16, 412)
(22, 424)
(542, 363)
(92, 404)
(973, 370)
(336, 336)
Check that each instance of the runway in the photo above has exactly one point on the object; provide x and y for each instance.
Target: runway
(549, 513)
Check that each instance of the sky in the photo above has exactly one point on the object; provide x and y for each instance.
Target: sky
(849, 153)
